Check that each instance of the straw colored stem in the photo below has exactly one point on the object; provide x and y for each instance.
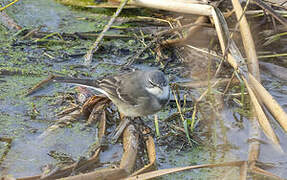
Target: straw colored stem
(162, 172)
(261, 116)
(247, 40)
(272, 105)
(95, 46)
(175, 6)
(10, 4)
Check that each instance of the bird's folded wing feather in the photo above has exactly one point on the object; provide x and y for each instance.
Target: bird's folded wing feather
(124, 90)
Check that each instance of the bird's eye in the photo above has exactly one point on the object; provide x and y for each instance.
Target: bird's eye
(154, 84)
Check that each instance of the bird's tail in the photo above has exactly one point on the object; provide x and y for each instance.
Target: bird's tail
(84, 82)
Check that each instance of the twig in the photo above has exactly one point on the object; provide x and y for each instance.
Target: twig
(39, 85)
(95, 46)
(272, 55)
(162, 172)
(211, 53)
(176, 114)
(191, 32)
(184, 122)
(206, 91)
(119, 130)
(260, 171)
(32, 32)
(254, 147)
(201, 84)
(81, 35)
(131, 61)
(10, 4)
(15, 71)
(271, 11)
(254, 12)
(229, 82)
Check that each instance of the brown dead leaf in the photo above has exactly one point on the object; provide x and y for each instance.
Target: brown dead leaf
(130, 146)
(151, 155)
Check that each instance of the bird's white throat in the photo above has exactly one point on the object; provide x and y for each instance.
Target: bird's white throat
(159, 93)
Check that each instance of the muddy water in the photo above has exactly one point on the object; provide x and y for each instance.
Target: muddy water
(24, 119)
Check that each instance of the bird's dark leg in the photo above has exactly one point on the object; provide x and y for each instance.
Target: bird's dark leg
(119, 130)
(141, 126)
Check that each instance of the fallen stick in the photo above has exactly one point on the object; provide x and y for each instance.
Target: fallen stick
(162, 172)
(271, 11)
(95, 46)
(180, 6)
(40, 84)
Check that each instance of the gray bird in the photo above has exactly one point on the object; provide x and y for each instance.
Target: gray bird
(137, 93)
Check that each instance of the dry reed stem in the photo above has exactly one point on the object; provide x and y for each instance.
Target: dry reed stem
(106, 173)
(260, 171)
(266, 127)
(271, 11)
(40, 84)
(206, 91)
(234, 57)
(254, 75)
(175, 6)
(120, 129)
(247, 40)
(10, 4)
(236, 60)
(162, 172)
(243, 171)
(253, 67)
(254, 147)
(202, 84)
(270, 102)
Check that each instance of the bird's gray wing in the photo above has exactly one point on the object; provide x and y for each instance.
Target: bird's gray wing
(126, 87)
